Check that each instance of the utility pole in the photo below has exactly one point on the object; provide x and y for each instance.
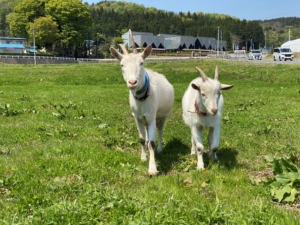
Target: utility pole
(34, 48)
(265, 40)
(218, 40)
(221, 42)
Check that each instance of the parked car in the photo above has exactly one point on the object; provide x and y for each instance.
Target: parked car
(255, 54)
(283, 54)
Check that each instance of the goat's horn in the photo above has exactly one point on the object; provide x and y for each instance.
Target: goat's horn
(132, 42)
(216, 73)
(124, 50)
(203, 76)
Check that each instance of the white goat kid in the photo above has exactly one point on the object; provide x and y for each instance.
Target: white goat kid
(151, 98)
(202, 106)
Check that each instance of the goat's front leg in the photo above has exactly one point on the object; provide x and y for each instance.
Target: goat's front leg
(151, 146)
(160, 126)
(214, 140)
(193, 148)
(143, 138)
(197, 144)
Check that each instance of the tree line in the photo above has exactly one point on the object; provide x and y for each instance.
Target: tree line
(63, 26)
(111, 17)
(281, 30)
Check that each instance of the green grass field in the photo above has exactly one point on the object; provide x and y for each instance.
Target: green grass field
(70, 154)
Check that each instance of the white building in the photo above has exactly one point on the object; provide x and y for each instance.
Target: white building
(294, 45)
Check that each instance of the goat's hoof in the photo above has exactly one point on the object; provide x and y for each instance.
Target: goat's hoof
(200, 167)
(153, 172)
(216, 157)
(213, 155)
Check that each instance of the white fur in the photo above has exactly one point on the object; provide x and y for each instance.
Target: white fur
(206, 92)
(151, 112)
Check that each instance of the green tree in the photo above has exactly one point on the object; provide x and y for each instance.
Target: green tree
(72, 18)
(3, 23)
(45, 31)
(68, 18)
(116, 41)
(24, 13)
(104, 48)
(272, 38)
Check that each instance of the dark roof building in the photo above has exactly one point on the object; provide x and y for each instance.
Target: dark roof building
(173, 42)
(143, 39)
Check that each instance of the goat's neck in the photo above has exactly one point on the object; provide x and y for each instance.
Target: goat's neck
(143, 92)
(198, 102)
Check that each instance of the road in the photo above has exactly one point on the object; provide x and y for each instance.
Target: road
(296, 61)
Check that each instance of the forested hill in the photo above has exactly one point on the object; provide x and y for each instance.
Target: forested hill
(280, 23)
(111, 17)
(122, 7)
(281, 30)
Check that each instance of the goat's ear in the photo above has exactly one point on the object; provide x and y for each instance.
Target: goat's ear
(226, 86)
(195, 87)
(146, 52)
(115, 53)
(203, 76)
(217, 73)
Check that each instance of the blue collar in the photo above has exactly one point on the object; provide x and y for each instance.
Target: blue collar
(144, 88)
(145, 85)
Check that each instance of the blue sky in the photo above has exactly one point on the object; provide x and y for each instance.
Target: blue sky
(242, 9)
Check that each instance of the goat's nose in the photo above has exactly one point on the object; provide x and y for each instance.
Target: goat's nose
(132, 82)
(214, 111)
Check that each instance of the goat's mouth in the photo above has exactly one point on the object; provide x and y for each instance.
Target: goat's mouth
(132, 87)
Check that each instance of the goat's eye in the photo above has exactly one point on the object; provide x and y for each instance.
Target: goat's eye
(122, 65)
(142, 63)
(203, 94)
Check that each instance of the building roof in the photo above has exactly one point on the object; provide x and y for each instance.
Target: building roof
(176, 42)
(170, 41)
(294, 45)
(145, 40)
(12, 38)
(12, 46)
(141, 39)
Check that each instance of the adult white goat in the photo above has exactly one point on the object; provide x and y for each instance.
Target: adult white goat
(202, 105)
(151, 98)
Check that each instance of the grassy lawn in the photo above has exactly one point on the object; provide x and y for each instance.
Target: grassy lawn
(70, 154)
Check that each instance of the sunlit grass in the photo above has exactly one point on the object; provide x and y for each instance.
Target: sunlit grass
(69, 149)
